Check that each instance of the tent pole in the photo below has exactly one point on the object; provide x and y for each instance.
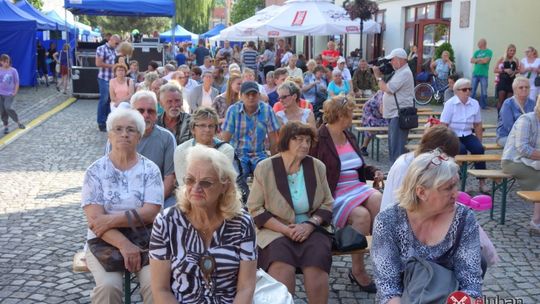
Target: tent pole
(173, 28)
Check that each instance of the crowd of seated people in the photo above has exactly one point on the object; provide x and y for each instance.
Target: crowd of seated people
(236, 175)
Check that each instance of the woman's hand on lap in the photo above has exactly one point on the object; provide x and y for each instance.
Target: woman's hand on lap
(132, 256)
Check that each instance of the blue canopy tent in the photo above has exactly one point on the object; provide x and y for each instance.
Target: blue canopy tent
(142, 8)
(29, 9)
(213, 32)
(180, 34)
(72, 29)
(18, 40)
(121, 7)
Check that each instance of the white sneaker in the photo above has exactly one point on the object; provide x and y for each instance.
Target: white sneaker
(534, 227)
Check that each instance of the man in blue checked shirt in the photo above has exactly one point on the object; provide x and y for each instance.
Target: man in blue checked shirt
(247, 124)
(105, 59)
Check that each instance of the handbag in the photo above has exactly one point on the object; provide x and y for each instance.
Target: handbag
(269, 291)
(430, 282)
(408, 117)
(110, 257)
(345, 239)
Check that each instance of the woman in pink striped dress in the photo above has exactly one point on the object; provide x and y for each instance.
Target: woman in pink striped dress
(355, 203)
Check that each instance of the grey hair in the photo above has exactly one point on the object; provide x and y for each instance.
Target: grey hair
(170, 87)
(169, 67)
(460, 83)
(518, 80)
(203, 113)
(422, 174)
(130, 114)
(291, 87)
(229, 204)
(141, 95)
(336, 72)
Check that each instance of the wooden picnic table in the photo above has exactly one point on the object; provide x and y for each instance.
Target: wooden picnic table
(464, 161)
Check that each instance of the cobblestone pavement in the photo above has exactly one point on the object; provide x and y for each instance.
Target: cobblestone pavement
(32, 102)
(42, 225)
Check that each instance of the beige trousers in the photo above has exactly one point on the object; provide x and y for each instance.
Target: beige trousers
(109, 285)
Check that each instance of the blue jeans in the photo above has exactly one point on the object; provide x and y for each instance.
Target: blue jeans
(248, 165)
(483, 81)
(397, 139)
(472, 144)
(104, 107)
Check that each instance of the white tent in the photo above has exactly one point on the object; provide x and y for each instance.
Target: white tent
(309, 17)
(245, 29)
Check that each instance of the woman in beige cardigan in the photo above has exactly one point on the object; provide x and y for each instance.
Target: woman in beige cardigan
(289, 199)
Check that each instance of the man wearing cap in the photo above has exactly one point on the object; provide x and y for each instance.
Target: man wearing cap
(246, 125)
(400, 87)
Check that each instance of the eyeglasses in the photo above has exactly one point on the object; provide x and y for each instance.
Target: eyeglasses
(524, 87)
(284, 96)
(203, 126)
(128, 130)
(149, 111)
(191, 182)
(438, 157)
(465, 89)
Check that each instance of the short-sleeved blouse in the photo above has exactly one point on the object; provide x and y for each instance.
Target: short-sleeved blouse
(118, 191)
(283, 117)
(394, 243)
(174, 238)
(442, 69)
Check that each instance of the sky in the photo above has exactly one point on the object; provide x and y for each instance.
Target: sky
(49, 5)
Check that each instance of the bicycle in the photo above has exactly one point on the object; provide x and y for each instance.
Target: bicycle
(424, 92)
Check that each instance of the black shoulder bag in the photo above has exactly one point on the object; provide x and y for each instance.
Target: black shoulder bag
(408, 117)
(110, 257)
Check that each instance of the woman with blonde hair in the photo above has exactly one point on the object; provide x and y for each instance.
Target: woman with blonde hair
(507, 67)
(231, 95)
(125, 51)
(121, 87)
(530, 68)
(203, 250)
(427, 225)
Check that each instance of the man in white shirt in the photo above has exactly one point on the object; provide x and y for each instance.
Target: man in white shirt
(207, 66)
(400, 90)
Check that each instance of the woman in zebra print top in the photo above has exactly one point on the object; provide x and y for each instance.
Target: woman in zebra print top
(203, 249)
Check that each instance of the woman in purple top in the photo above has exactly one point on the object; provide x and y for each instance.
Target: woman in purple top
(9, 87)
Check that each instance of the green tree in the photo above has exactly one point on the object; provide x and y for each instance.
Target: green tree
(244, 9)
(363, 9)
(38, 4)
(121, 25)
(194, 15)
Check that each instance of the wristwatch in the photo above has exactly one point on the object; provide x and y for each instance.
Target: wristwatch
(379, 79)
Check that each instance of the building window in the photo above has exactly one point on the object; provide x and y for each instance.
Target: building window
(446, 10)
(411, 14)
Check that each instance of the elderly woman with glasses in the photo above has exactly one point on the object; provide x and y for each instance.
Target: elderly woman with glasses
(289, 96)
(289, 199)
(204, 125)
(427, 224)
(461, 113)
(513, 108)
(118, 182)
(203, 249)
(356, 203)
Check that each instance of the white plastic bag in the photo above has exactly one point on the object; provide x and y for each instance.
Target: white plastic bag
(270, 291)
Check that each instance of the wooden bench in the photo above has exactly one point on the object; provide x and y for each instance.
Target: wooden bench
(79, 266)
(530, 196)
(500, 181)
(358, 251)
(464, 161)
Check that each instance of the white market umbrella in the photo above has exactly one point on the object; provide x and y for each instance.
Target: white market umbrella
(311, 17)
(244, 30)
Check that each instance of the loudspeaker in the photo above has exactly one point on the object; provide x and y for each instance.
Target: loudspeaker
(84, 80)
